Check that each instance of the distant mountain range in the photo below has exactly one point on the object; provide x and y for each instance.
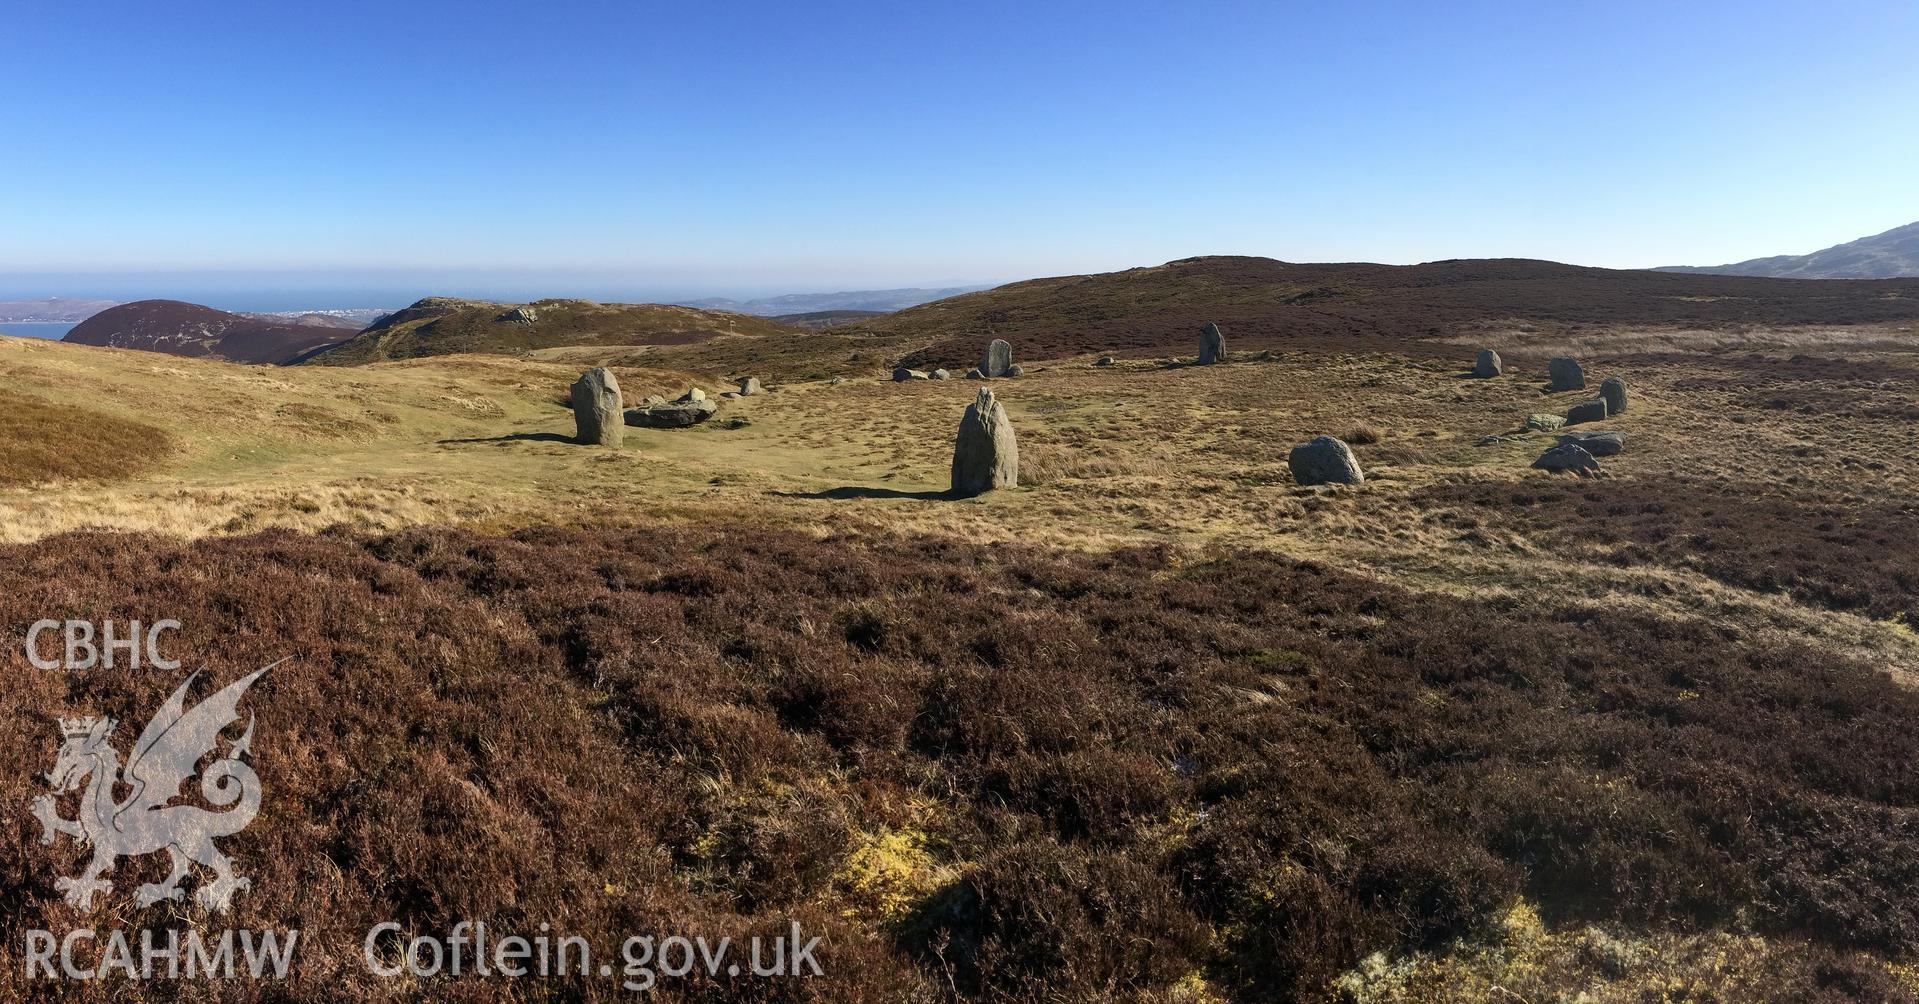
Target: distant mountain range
(1891, 255)
(880, 301)
(189, 329)
(52, 310)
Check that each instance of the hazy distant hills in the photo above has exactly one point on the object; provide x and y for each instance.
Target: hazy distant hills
(875, 300)
(820, 320)
(345, 320)
(1263, 303)
(441, 325)
(189, 329)
(1892, 254)
(52, 310)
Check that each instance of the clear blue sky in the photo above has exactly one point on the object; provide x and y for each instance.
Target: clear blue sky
(808, 145)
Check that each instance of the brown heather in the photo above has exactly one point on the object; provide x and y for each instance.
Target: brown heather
(1139, 775)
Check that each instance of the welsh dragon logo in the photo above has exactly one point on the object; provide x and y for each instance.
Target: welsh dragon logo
(166, 757)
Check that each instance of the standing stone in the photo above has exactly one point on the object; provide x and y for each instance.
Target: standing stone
(1587, 411)
(999, 358)
(1565, 374)
(1488, 364)
(749, 386)
(1212, 345)
(985, 456)
(1613, 390)
(1324, 461)
(597, 417)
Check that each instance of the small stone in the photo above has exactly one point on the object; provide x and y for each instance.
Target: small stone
(903, 374)
(1565, 374)
(596, 408)
(941, 375)
(1544, 422)
(1212, 345)
(836, 381)
(1613, 390)
(985, 454)
(1488, 364)
(692, 394)
(1560, 459)
(1105, 361)
(1015, 370)
(976, 374)
(749, 386)
(1587, 411)
(1324, 460)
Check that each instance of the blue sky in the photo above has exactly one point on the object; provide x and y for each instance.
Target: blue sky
(786, 146)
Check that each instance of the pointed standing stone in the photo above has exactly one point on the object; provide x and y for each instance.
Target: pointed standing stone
(1212, 345)
(985, 455)
(597, 418)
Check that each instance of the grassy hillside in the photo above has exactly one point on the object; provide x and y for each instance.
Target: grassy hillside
(1463, 732)
(440, 326)
(1262, 303)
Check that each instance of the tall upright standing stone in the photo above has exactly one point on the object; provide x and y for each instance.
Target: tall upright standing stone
(985, 455)
(597, 415)
(999, 358)
(1212, 345)
(1565, 374)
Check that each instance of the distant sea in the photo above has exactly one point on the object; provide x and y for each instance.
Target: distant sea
(35, 329)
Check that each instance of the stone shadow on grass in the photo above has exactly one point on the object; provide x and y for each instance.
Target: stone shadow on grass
(865, 492)
(514, 437)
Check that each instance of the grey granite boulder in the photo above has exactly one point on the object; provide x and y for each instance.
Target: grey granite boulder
(941, 375)
(1613, 391)
(1596, 442)
(1587, 411)
(596, 408)
(985, 454)
(672, 414)
(999, 358)
(903, 374)
(749, 386)
(1569, 457)
(1324, 460)
(1212, 345)
(1488, 364)
(1565, 374)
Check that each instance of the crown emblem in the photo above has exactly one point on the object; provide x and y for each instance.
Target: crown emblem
(78, 728)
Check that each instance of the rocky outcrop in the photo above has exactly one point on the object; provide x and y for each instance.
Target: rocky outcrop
(597, 409)
(985, 454)
(1324, 460)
